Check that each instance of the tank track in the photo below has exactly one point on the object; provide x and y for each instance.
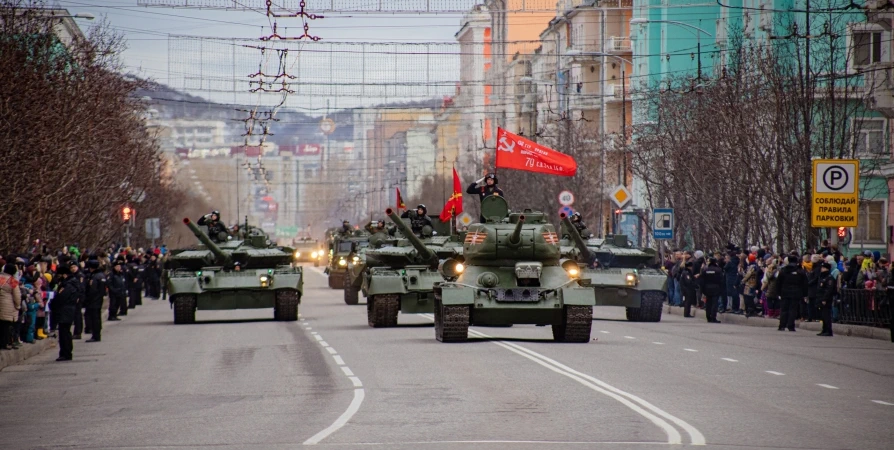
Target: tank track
(577, 321)
(285, 306)
(451, 322)
(381, 310)
(650, 307)
(337, 280)
(351, 295)
(184, 309)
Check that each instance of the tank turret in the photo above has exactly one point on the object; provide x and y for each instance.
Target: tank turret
(220, 257)
(425, 253)
(578, 240)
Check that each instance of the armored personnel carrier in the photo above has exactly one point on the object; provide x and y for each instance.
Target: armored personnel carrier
(399, 275)
(308, 250)
(512, 274)
(342, 250)
(619, 274)
(241, 272)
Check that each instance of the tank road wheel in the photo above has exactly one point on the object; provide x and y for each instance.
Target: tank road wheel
(351, 295)
(336, 280)
(438, 320)
(649, 309)
(285, 306)
(576, 324)
(451, 322)
(184, 309)
(381, 310)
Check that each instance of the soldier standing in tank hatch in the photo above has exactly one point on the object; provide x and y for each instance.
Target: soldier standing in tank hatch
(215, 226)
(490, 187)
(346, 229)
(580, 226)
(418, 219)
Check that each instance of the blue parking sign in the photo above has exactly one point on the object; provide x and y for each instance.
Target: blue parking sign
(663, 223)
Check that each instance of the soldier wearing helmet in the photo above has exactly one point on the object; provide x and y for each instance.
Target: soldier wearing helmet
(346, 228)
(418, 218)
(580, 226)
(214, 224)
(489, 188)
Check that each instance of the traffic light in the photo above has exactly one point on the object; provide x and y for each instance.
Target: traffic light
(126, 214)
(842, 232)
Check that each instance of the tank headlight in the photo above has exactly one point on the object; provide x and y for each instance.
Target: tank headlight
(297, 254)
(451, 268)
(630, 278)
(313, 255)
(265, 280)
(342, 262)
(572, 268)
(355, 259)
(459, 267)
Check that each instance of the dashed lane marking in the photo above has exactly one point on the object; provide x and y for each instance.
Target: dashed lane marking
(605, 332)
(331, 350)
(658, 343)
(347, 371)
(338, 360)
(773, 372)
(629, 337)
(883, 403)
(318, 337)
(324, 344)
(827, 386)
(356, 381)
(730, 359)
(690, 349)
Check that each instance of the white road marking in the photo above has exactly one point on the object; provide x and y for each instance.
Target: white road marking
(658, 343)
(342, 420)
(827, 386)
(605, 332)
(629, 337)
(331, 350)
(637, 404)
(356, 381)
(883, 403)
(690, 349)
(308, 328)
(419, 444)
(347, 371)
(730, 359)
(318, 337)
(315, 333)
(324, 344)
(773, 372)
(338, 360)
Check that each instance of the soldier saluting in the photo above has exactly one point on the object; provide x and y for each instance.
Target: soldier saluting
(489, 188)
(215, 226)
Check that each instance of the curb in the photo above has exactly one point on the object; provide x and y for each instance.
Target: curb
(838, 329)
(13, 357)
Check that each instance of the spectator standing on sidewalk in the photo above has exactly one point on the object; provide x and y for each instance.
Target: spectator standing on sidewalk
(10, 304)
(770, 286)
(825, 292)
(730, 270)
(669, 270)
(792, 283)
(813, 278)
(750, 283)
(712, 279)
(688, 284)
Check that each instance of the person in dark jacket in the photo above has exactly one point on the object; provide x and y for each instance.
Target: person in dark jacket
(96, 291)
(215, 226)
(712, 280)
(418, 219)
(78, 275)
(117, 291)
(65, 304)
(580, 226)
(489, 188)
(813, 277)
(688, 286)
(731, 277)
(153, 278)
(792, 285)
(135, 275)
(825, 292)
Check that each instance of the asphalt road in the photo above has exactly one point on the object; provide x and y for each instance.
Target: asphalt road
(239, 380)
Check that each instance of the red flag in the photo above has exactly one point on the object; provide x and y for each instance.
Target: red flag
(400, 201)
(454, 206)
(516, 152)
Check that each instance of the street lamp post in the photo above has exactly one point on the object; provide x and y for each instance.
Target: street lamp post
(698, 37)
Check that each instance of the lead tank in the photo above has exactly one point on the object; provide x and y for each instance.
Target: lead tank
(512, 273)
(245, 271)
(619, 274)
(399, 275)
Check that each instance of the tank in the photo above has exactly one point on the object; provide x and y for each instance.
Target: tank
(343, 249)
(619, 274)
(244, 272)
(398, 275)
(512, 273)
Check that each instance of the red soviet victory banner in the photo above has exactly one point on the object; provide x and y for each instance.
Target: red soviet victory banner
(453, 206)
(516, 152)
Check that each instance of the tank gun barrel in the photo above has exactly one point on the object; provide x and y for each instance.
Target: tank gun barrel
(515, 237)
(426, 253)
(219, 256)
(576, 237)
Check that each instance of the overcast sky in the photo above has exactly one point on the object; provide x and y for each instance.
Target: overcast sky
(147, 29)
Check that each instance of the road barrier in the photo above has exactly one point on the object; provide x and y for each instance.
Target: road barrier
(866, 307)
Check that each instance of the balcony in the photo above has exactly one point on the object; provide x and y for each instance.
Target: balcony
(879, 88)
(618, 44)
(615, 92)
(584, 101)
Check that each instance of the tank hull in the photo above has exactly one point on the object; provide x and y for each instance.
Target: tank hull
(235, 290)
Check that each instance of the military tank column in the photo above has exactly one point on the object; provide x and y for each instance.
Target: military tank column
(245, 271)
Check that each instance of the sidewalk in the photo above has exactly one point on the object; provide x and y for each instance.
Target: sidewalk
(838, 329)
(13, 357)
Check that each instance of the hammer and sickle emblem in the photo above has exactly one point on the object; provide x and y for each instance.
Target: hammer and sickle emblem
(506, 145)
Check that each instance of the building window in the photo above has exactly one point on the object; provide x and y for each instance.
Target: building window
(871, 223)
(870, 137)
(867, 47)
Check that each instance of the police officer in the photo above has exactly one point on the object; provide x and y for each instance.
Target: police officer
(688, 284)
(792, 282)
(489, 188)
(96, 291)
(135, 275)
(825, 293)
(153, 278)
(418, 218)
(580, 226)
(712, 280)
(78, 276)
(64, 305)
(215, 226)
(117, 290)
